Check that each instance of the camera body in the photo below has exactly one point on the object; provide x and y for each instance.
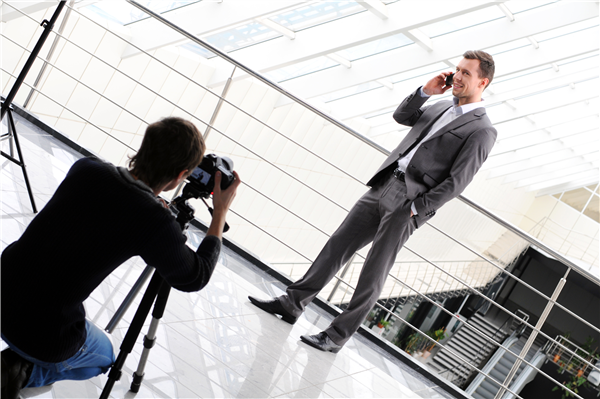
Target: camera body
(202, 179)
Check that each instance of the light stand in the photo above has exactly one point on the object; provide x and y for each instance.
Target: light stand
(7, 108)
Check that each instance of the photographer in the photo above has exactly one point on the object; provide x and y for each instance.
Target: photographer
(99, 217)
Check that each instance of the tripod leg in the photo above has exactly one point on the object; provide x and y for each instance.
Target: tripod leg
(128, 299)
(13, 130)
(132, 333)
(150, 338)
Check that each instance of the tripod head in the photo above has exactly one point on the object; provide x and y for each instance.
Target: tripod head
(183, 211)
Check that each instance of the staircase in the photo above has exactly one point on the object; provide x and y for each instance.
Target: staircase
(470, 346)
(484, 388)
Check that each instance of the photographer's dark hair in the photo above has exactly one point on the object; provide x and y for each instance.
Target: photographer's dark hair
(486, 63)
(169, 146)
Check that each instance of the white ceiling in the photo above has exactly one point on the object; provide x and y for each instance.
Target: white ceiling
(357, 60)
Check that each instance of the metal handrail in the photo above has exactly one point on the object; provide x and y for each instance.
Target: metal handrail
(255, 75)
(481, 209)
(511, 228)
(526, 236)
(162, 97)
(89, 53)
(334, 121)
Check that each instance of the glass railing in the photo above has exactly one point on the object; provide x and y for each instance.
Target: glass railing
(301, 172)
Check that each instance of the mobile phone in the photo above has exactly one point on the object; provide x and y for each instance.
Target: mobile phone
(449, 79)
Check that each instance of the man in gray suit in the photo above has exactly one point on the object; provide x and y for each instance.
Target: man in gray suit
(448, 143)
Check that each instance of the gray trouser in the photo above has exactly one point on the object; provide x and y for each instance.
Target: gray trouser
(382, 216)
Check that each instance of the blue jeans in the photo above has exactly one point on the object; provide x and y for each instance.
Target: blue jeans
(93, 358)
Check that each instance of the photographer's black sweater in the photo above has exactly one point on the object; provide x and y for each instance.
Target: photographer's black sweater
(98, 218)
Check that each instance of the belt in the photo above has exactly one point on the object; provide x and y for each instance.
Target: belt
(398, 174)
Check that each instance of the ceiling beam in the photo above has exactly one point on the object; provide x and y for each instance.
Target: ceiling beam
(376, 7)
(537, 169)
(567, 186)
(450, 46)
(579, 144)
(582, 43)
(588, 175)
(343, 33)
(202, 19)
(290, 34)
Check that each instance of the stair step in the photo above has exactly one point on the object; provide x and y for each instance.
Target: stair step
(485, 393)
(506, 362)
(473, 338)
(490, 325)
(490, 386)
(502, 368)
(498, 375)
(462, 347)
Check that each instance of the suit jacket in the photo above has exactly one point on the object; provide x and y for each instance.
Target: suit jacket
(444, 164)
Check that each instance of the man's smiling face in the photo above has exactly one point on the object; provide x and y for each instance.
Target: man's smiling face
(467, 85)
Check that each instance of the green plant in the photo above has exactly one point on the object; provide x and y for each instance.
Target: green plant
(437, 336)
(383, 323)
(573, 385)
(412, 342)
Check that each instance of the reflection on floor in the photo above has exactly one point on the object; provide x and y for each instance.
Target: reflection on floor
(213, 343)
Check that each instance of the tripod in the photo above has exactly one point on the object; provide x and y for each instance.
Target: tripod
(157, 293)
(7, 108)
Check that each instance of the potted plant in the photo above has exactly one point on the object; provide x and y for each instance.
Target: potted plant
(383, 324)
(412, 343)
(574, 383)
(437, 336)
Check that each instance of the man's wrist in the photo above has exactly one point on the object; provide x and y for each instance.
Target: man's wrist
(423, 93)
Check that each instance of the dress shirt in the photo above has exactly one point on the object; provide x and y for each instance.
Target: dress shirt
(451, 114)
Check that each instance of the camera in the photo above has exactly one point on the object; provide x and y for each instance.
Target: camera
(202, 179)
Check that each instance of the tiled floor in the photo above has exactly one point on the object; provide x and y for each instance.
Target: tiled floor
(213, 343)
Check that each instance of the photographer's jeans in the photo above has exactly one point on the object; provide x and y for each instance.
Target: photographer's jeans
(93, 358)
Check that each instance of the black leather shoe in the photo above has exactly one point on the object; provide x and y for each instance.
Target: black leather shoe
(15, 373)
(321, 341)
(273, 306)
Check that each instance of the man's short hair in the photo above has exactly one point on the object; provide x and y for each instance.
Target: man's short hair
(170, 146)
(486, 63)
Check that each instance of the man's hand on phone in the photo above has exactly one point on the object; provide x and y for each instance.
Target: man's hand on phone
(437, 85)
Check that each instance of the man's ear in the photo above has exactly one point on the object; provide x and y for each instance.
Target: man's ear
(182, 175)
(485, 82)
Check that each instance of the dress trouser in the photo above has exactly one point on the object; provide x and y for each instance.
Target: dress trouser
(382, 216)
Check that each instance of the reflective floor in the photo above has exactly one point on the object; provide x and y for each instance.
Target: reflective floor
(213, 343)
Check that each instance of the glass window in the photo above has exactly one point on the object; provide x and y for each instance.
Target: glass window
(462, 21)
(577, 198)
(592, 210)
(124, 13)
(300, 69)
(423, 71)
(375, 47)
(350, 91)
(316, 14)
(198, 49)
(566, 30)
(241, 36)
(519, 6)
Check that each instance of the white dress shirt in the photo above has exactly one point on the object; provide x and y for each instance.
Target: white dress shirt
(451, 114)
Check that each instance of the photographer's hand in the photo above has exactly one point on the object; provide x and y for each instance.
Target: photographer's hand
(437, 85)
(221, 202)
